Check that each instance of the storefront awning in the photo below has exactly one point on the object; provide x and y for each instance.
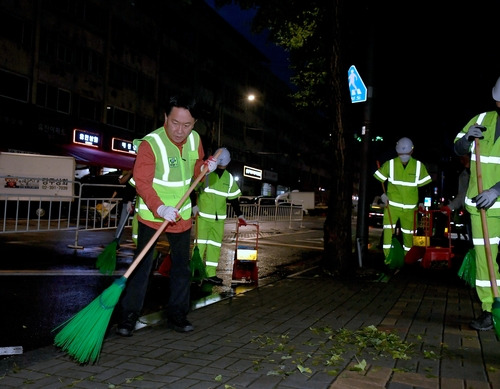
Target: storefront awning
(92, 156)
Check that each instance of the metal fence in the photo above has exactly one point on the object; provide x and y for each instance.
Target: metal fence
(94, 207)
(90, 207)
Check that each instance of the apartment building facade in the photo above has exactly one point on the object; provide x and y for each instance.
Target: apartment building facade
(86, 77)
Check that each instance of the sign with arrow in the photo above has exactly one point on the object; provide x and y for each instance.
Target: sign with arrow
(356, 85)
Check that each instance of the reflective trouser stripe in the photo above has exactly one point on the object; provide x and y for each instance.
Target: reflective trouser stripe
(209, 242)
(405, 217)
(483, 284)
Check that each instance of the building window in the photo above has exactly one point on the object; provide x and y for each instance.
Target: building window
(53, 49)
(14, 86)
(121, 77)
(16, 30)
(143, 124)
(89, 109)
(53, 98)
(146, 87)
(120, 118)
(91, 62)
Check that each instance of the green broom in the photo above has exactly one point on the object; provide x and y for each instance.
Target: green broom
(495, 308)
(467, 271)
(198, 269)
(82, 335)
(106, 260)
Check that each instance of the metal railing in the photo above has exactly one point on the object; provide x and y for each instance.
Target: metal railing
(88, 208)
(284, 212)
(39, 213)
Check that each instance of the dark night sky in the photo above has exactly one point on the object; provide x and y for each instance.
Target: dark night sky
(241, 21)
(434, 64)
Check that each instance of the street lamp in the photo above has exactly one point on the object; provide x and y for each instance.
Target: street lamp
(250, 98)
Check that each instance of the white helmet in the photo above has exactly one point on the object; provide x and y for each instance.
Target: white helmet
(404, 146)
(224, 157)
(496, 91)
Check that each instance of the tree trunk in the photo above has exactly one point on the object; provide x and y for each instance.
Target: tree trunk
(338, 259)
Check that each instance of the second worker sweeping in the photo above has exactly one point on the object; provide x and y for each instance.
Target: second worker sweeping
(218, 188)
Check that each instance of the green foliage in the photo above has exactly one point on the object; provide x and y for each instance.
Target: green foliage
(312, 33)
(299, 28)
(332, 349)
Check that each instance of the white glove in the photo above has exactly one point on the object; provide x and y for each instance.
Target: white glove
(384, 198)
(242, 221)
(130, 207)
(486, 199)
(195, 210)
(168, 213)
(475, 131)
(210, 164)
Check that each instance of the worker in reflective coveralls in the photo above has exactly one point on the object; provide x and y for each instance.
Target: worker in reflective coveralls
(486, 128)
(214, 193)
(404, 175)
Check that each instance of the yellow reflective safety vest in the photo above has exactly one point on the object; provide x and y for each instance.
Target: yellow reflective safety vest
(173, 172)
(213, 197)
(403, 182)
(489, 158)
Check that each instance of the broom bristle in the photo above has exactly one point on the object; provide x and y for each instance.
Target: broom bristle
(106, 261)
(83, 334)
(198, 270)
(495, 314)
(467, 271)
(396, 257)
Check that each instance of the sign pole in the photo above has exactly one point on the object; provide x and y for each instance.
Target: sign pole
(363, 94)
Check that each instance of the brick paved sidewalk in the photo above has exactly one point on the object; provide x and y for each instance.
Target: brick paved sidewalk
(297, 333)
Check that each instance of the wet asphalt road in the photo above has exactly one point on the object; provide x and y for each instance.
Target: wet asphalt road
(43, 282)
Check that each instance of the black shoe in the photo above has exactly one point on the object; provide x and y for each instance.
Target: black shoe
(483, 322)
(127, 326)
(180, 324)
(214, 280)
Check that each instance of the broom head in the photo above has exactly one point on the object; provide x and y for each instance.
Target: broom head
(82, 335)
(495, 314)
(198, 270)
(467, 271)
(106, 261)
(396, 257)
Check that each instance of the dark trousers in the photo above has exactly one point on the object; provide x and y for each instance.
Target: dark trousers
(180, 275)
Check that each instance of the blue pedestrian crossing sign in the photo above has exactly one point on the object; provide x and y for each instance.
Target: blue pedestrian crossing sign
(356, 85)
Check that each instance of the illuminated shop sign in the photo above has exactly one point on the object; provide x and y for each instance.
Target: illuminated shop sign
(86, 138)
(123, 146)
(252, 172)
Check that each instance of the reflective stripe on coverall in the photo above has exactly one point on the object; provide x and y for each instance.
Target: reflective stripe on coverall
(402, 191)
(490, 171)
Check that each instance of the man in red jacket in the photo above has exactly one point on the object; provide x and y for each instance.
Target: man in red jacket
(167, 159)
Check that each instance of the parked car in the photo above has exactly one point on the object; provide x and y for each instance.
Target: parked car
(246, 199)
(376, 213)
(264, 200)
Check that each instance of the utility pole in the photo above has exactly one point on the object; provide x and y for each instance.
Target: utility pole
(363, 206)
(361, 94)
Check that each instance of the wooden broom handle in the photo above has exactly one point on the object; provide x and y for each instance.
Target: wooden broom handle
(484, 222)
(164, 224)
